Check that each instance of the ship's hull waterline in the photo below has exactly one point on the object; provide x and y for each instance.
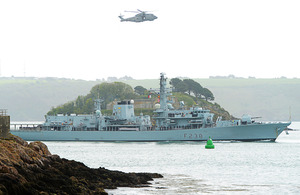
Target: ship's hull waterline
(268, 131)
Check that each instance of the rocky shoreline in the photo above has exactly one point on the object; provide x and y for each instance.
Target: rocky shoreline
(32, 169)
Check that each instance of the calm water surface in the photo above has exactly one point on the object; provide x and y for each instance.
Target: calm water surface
(188, 168)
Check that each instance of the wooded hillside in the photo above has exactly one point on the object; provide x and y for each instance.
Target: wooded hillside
(192, 94)
(29, 99)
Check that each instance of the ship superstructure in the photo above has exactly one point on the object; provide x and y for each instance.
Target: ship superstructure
(122, 119)
(169, 118)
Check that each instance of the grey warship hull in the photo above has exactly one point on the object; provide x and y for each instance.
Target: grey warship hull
(255, 132)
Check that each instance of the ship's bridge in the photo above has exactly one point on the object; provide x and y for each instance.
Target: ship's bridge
(124, 110)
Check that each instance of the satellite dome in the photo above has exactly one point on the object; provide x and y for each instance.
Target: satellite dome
(157, 106)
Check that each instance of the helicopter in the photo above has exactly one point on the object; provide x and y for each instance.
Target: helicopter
(140, 17)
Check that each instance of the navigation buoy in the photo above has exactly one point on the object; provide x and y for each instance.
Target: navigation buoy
(209, 144)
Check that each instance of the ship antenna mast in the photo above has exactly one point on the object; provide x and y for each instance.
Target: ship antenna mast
(163, 94)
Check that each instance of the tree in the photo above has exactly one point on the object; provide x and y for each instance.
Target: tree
(108, 92)
(140, 90)
(175, 82)
(208, 95)
(88, 106)
(182, 87)
(197, 89)
(191, 87)
(79, 102)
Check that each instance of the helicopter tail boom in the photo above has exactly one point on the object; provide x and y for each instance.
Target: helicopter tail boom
(121, 17)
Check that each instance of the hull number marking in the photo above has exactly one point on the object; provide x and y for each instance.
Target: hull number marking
(192, 136)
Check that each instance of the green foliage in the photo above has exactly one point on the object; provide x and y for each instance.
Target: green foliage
(175, 83)
(191, 87)
(140, 90)
(187, 99)
(108, 92)
(181, 87)
(208, 95)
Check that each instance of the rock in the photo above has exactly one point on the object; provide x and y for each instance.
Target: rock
(32, 169)
(18, 140)
(40, 148)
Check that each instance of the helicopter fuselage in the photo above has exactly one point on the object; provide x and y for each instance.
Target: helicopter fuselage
(141, 17)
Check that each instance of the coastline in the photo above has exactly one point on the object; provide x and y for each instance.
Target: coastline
(32, 169)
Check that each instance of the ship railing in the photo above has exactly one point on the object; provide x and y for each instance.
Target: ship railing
(180, 127)
(25, 125)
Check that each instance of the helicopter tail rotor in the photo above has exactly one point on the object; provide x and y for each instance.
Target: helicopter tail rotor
(121, 17)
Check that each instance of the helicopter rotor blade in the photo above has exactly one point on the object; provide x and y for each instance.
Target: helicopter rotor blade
(256, 117)
(138, 11)
(132, 11)
(145, 11)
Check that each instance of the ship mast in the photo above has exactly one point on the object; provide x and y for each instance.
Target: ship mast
(162, 111)
(162, 92)
(99, 118)
(97, 106)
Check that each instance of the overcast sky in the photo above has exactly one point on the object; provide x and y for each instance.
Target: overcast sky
(193, 38)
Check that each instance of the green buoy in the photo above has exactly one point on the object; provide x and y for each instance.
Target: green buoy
(209, 144)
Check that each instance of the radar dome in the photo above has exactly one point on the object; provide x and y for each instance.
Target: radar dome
(170, 106)
(157, 106)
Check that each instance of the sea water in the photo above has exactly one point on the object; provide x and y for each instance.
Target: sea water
(189, 168)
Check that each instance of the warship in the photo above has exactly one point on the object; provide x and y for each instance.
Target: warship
(194, 124)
